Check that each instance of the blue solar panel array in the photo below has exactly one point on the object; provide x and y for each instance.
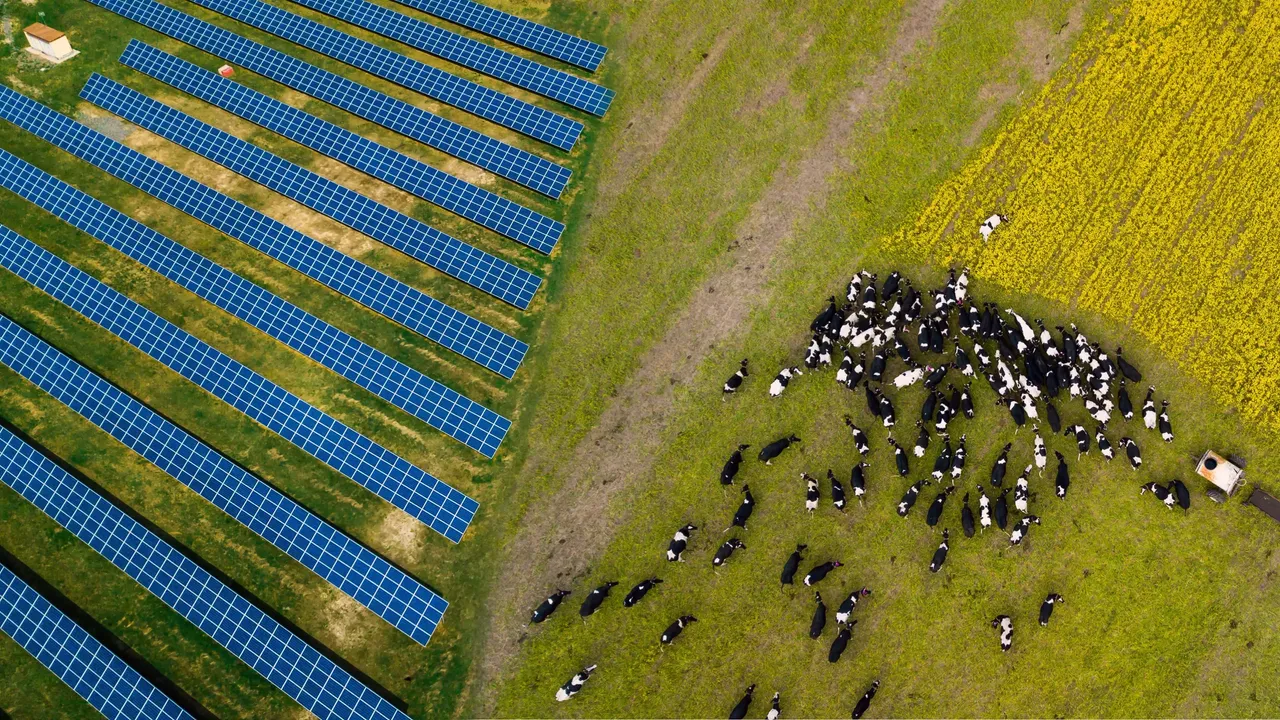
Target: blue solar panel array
(105, 681)
(497, 157)
(400, 483)
(515, 30)
(402, 171)
(284, 659)
(555, 84)
(437, 405)
(476, 99)
(349, 566)
(408, 306)
(378, 221)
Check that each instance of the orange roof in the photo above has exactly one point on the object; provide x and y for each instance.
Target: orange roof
(43, 32)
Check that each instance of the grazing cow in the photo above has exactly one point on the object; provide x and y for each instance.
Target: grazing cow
(859, 437)
(890, 286)
(1081, 436)
(730, 469)
(966, 517)
(1028, 335)
(854, 292)
(1020, 491)
(1001, 509)
(739, 711)
(1004, 624)
(1021, 529)
(1041, 453)
(593, 600)
(909, 499)
(1063, 480)
(841, 642)
(1161, 492)
(957, 460)
(1126, 369)
(775, 709)
(782, 380)
(1126, 405)
(792, 564)
(966, 402)
(1002, 464)
(771, 451)
(548, 606)
(869, 300)
(1029, 406)
(858, 481)
(639, 591)
(824, 318)
(681, 541)
(733, 383)
(819, 572)
(886, 411)
(1184, 495)
(984, 509)
(1104, 445)
(908, 377)
(819, 620)
(864, 702)
(940, 555)
(990, 224)
(1132, 451)
(1051, 414)
(726, 551)
(812, 496)
(936, 375)
(962, 361)
(1046, 608)
(929, 406)
(850, 372)
(873, 398)
(574, 686)
(1149, 409)
(935, 509)
(922, 440)
(962, 285)
(984, 360)
(744, 511)
(1016, 411)
(942, 463)
(811, 353)
(879, 362)
(1166, 430)
(837, 491)
(674, 629)
(850, 603)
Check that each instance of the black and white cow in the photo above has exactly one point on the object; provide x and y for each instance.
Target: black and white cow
(1126, 369)
(819, 620)
(594, 599)
(1040, 452)
(858, 480)
(674, 629)
(1022, 528)
(1002, 465)
(850, 372)
(984, 509)
(812, 496)
(1001, 509)
(1149, 409)
(1161, 492)
(1046, 608)
(957, 460)
(1004, 624)
(730, 469)
(930, 406)
(909, 498)
(935, 509)
(966, 402)
(879, 362)
(1063, 480)
(942, 463)
(1081, 435)
(1180, 490)
(574, 686)
(638, 592)
(1166, 429)
(770, 452)
(922, 440)
(819, 572)
(1021, 491)
(900, 458)
(864, 702)
(1131, 450)
(679, 542)
(744, 510)
(859, 437)
(850, 604)
(1104, 445)
(966, 517)
(841, 642)
(792, 564)
(1051, 414)
(782, 380)
(912, 375)
(726, 551)
(739, 711)
(886, 411)
(735, 381)
(775, 708)
(837, 491)
(548, 606)
(940, 555)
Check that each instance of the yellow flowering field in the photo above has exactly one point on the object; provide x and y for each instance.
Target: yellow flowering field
(1144, 184)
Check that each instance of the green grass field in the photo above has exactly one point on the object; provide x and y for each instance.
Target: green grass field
(755, 155)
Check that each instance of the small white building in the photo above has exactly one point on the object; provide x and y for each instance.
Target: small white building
(49, 44)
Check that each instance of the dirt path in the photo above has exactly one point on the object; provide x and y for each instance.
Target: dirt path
(571, 526)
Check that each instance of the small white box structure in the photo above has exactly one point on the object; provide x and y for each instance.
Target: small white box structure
(1220, 471)
(49, 44)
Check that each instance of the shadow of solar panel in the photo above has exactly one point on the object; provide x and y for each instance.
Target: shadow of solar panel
(352, 568)
(285, 660)
(105, 681)
(377, 469)
(521, 72)
(378, 221)
(376, 60)
(438, 405)
(408, 306)
(515, 30)
(497, 157)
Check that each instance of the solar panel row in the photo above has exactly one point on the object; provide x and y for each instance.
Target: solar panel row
(372, 581)
(284, 659)
(521, 72)
(408, 306)
(497, 157)
(438, 405)
(105, 681)
(515, 30)
(343, 145)
(400, 483)
(476, 99)
(374, 219)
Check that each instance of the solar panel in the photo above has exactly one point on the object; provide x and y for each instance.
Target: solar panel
(476, 99)
(438, 405)
(410, 307)
(349, 566)
(515, 30)
(521, 72)
(105, 681)
(285, 660)
(374, 219)
(406, 486)
(497, 157)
